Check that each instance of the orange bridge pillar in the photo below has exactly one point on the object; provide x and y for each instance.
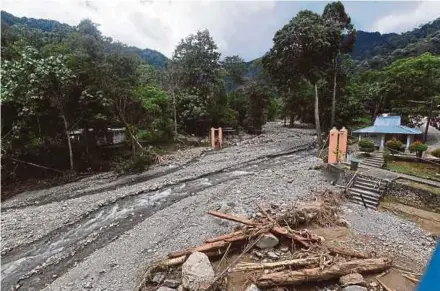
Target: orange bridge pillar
(333, 146)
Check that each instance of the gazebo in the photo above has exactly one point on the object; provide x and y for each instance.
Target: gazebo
(385, 128)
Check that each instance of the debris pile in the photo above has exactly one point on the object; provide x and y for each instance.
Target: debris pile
(277, 247)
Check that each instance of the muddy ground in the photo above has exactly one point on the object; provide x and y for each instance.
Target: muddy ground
(98, 233)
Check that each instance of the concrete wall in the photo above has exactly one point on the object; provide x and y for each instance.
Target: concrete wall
(413, 196)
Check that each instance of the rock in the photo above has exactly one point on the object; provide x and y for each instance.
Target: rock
(253, 287)
(88, 285)
(163, 288)
(180, 288)
(342, 222)
(158, 278)
(352, 279)
(284, 249)
(197, 272)
(273, 255)
(267, 241)
(171, 283)
(354, 288)
(258, 254)
(373, 284)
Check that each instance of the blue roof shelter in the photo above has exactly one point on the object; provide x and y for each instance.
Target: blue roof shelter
(386, 127)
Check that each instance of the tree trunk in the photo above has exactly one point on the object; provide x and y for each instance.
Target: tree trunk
(317, 122)
(175, 114)
(332, 123)
(69, 144)
(320, 274)
(133, 138)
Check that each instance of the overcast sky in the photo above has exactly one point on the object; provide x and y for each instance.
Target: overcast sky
(245, 28)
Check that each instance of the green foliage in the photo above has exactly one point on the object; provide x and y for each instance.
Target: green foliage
(134, 164)
(156, 117)
(274, 108)
(235, 68)
(387, 157)
(418, 147)
(394, 144)
(258, 95)
(436, 153)
(366, 145)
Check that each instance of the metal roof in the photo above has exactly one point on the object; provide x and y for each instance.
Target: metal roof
(386, 120)
(396, 129)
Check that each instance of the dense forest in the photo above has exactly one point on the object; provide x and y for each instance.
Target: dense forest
(61, 82)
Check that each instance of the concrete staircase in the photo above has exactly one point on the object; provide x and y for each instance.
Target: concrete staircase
(367, 191)
(376, 160)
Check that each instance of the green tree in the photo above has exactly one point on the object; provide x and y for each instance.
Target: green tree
(235, 68)
(342, 39)
(301, 51)
(33, 83)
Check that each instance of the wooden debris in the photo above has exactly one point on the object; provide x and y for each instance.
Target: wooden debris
(319, 274)
(172, 262)
(282, 231)
(414, 280)
(232, 217)
(202, 248)
(348, 252)
(383, 285)
(224, 236)
(288, 263)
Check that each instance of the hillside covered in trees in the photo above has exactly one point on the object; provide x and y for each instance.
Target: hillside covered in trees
(64, 88)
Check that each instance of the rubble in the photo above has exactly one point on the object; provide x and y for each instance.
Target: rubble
(291, 254)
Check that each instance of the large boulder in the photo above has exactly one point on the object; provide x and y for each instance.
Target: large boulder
(267, 241)
(197, 272)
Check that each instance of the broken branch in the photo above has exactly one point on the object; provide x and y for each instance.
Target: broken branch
(292, 263)
(231, 217)
(202, 248)
(318, 274)
(347, 252)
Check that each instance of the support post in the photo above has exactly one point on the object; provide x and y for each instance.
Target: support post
(220, 137)
(342, 148)
(213, 137)
(333, 146)
(408, 143)
(382, 142)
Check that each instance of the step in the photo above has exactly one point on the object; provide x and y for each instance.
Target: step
(369, 199)
(372, 184)
(358, 199)
(369, 187)
(367, 179)
(372, 162)
(375, 158)
(374, 165)
(369, 205)
(372, 193)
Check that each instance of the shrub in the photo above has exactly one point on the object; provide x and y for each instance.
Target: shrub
(387, 157)
(394, 144)
(418, 147)
(135, 164)
(436, 153)
(366, 145)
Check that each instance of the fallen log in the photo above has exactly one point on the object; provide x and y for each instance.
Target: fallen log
(202, 248)
(348, 252)
(224, 236)
(231, 217)
(288, 263)
(318, 274)
(282, 231)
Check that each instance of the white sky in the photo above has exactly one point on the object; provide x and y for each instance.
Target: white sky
(245, 28)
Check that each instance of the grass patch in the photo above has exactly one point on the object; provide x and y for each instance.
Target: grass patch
(422, 170)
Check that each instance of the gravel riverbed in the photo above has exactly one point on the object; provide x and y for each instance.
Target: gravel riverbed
(124, 223)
